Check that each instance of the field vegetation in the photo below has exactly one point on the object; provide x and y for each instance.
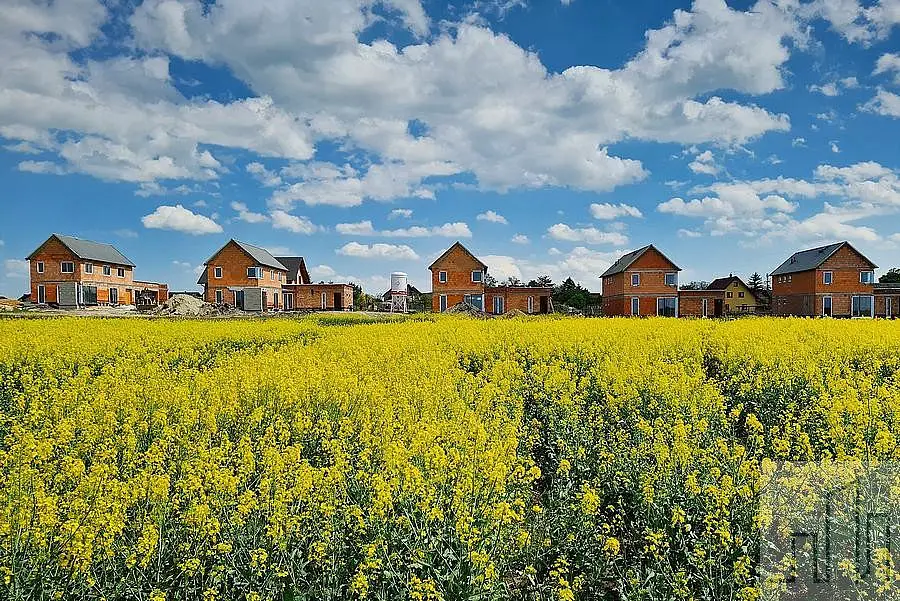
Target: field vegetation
(442, 458)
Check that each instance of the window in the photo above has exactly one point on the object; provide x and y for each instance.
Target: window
(667, 307)
(498, 305)
(705, 310)
(867, 277)
(477, 276)
(827, 277)
(113, 296)
(217, 272)
(107, 270)
(67, 267)
(254, 272)
(476, 300)
(789, 279)
(671, 279)
(120, 272)
(40, 267)
(740, 295)
(729, 294)
(635, 305)
(635, 279)
(272, 275)
(826, 306)
(888, 307)
(530, 304)
(89, 268)
(862, 306)
(219, 297)
(324, 300)
(443, 303)
(442, 277)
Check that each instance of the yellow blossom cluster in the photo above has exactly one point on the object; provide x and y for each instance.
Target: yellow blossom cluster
(433, 458)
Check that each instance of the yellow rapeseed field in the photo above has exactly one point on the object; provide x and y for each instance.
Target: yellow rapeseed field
(435, 458)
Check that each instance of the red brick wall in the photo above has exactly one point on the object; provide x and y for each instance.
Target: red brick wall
(234, 263)
(459, 266)
(617, 289)
(690, 302)
(309, 296)
(803, 294)
(516, 298)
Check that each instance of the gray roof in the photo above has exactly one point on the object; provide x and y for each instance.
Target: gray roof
(812, 258)
(204, 278)
(260, 255)
(294, 266)
(90, 251)
(626, 260)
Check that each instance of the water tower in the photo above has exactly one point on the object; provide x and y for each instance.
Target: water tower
(399, 292)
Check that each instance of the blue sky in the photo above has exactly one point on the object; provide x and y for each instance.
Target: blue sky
(548, 136)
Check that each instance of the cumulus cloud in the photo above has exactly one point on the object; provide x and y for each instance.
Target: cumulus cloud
(282, 220)
(520, 239)
(365, 228)
(378, 251)
(492, 217)
(245, 214)
(609, 211)
(589, 235)
(16, 268)
(179, 219)
(888, 63)
(400, 214)
(704, 163)
(884, 103)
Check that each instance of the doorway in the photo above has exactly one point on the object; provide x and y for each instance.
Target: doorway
(42, 295)
(338, 301)
(718, 307)
(545, 304)
(113, 296)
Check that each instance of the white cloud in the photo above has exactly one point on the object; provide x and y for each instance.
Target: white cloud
(885, 103)
(378, 251)
(400, 214)
(125, 233)
(520, 239)
(798, 142)
(179, 219)
(47, 167)
(589, 235)
(683, 233)
(834, 147)
(365, 228)
(362, 228)
(16, 268)
(267, 178)
(492, 217)
(245, 214)
(608, 211)
(704, 163)
(887, 63)
(281, 220)
(828, 89)
(321, 271)
(855, 22)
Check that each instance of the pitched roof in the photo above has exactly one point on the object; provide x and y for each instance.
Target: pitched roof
(260, 255)
(723, 283)
(410, 291)
(89, 251)
(812, 258)
(295, 265)
(464, 249)
(626, 261)
(204, 278)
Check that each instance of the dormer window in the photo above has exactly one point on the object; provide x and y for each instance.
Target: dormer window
(442, 277)
(867, 277)
(477, 276)
(635, 279)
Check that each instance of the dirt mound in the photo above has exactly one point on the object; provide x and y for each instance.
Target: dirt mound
(185, 305)
(8, 304)
(514, 313)
(467, 309)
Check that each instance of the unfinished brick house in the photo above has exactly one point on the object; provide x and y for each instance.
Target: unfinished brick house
(887, 300)
(301, 294)
(642, 282)
(458, 276)
(701, 303)
(71, 272)
(834, 280)
(245, 276)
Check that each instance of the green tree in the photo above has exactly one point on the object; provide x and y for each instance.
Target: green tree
(891, 277)
(695, 285)
(755, 283)
(512, 281)
(571, 294)
(542, 281)
(489, 280)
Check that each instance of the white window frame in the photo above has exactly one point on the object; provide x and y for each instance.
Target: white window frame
(220, 297)
(41, 292)
(480, 279)
(659, 298)
(111, 291)
(442, 303)
(288, 301)
(442, 277)
(872, 305)
(120, 272)
(704, 307)
(40, 267)
(257, 273)
(871, 277)
(62, 267)
(324, 300)
(530, 304)
(830, 300)
(635, 301)
(89, 268)
(674, 277)
(635, 280)
(828, 278)
(107, 270)
(498, 305)
(888, 306)
(217, 272)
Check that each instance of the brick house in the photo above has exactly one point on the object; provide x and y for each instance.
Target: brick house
(738, 296)
(71, 272)
(642, 282)
(887, 299)
(244, 276)
(701, 303)
(458, 276)
(835, 280)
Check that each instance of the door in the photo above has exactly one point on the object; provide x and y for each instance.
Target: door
(338, 301)
(219, 297)
(717, 307)
(288, 302)
(498, 305)
(324, 301)
(826, 306)
(42, 295)
(888, 308)
(89, 295)
(113, 296)
(265, 304)
(275, 299)
(635, 306)
(443, 304)
(545, 304)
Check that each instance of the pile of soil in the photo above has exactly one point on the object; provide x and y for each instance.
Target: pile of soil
(8, 304)
(467, 309)
(514, 313)
(185, 305)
